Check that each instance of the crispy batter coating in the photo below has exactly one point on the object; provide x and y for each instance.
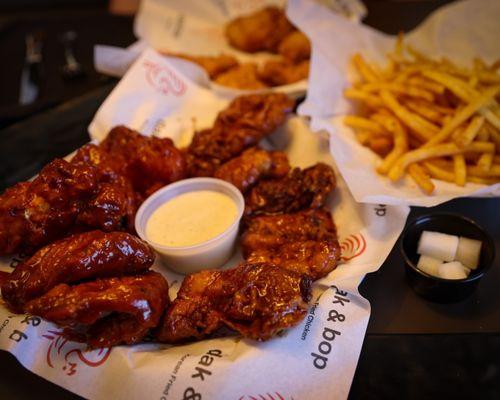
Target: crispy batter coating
(78, 257)
(213, 65)
(35, 213)
(260, 31)
(106, 312)
(242, 124)
(308, 188)
(252, 165)
(149, 162)
(244, 76)
(304, 242)
(283, 72)
(255, 299)
(295, 47)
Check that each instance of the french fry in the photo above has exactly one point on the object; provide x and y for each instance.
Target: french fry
(423, 129)
(366, 98)
(485, 161)
(427, 84)
(405, 90)
(469, 133)
(421, 178)
(425, 112)
(439, 172)
(400, 145)
(460, 169)
(365, 70)
(363, 123)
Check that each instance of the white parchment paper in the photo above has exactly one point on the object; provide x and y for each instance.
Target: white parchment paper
(314, 360)
(460, 31)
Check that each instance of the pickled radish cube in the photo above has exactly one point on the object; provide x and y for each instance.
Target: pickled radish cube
(452, 270)
(468, 252)
(429, 265)
(438, 245)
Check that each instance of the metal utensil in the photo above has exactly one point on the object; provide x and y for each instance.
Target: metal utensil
(32, 69)
(72, 69)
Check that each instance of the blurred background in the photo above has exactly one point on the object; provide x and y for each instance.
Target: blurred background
(47, 46)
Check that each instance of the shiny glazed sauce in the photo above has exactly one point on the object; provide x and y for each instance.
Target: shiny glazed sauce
(191, 218)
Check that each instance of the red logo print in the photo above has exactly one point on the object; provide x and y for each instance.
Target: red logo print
(163, 79)
(352, 246)
(72, 356)
(267, 396)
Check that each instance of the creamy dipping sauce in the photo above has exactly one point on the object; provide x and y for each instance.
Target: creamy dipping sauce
(191, 218)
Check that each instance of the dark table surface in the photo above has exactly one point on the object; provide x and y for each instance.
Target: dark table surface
(413, 348)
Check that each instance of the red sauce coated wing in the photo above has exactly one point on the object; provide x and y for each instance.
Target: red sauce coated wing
(106, 312)
(73, 259)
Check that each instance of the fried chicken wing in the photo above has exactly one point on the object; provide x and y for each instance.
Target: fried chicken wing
(255, 299)
(295, 47)
(253, 164)
(242, 124)
(308, 188)
(150, 162)
(78, 257)
(243, 76)
(105, 312)
(213, 65)
(35, 213)
(304, 242)
(260, 31)
(283, 72)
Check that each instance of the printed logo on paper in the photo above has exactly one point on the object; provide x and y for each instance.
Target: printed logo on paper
(163, 79)
(266, 396)
(62, 350)
(352, 246)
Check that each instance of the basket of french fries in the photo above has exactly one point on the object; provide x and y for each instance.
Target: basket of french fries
(428, 118)
(413, 119)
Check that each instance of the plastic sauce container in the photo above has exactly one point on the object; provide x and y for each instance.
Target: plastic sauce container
(175, 250)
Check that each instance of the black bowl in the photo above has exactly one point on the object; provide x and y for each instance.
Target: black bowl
(438, 289)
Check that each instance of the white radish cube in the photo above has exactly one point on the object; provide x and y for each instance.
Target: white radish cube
(438, 245)
(468, 252)
(452, 270)
(429, 265)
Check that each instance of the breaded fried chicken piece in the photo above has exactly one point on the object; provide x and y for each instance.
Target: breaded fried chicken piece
(252, 165)
(78, 257)
(35, 213)
(304, 242)
(276, 73)
(105, 312)
(214, 65)
(295, 47)
(256, 300)
(301, 189)
(261, 31)
(243, 76)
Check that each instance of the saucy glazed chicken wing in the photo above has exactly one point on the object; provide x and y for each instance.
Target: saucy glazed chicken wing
(35, 213)
(253, 164)
(79, 257)
(149, 162)
(257, 300)
(241, 125)
(105, 312)
(304, 242)
(260, 31)
(308, 188)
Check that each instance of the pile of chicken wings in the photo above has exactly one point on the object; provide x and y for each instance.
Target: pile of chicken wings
(88, 272)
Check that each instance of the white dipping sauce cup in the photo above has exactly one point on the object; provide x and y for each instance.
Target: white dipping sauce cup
(212, 253)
